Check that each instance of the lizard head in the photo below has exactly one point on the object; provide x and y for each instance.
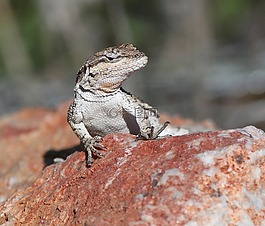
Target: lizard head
(106, 70)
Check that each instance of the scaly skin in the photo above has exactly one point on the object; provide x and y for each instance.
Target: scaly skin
(101, 106)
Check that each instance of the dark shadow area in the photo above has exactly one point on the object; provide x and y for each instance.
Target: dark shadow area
(50, 155)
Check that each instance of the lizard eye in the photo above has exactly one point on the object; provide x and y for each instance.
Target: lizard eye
(114, 54)
(111, 57)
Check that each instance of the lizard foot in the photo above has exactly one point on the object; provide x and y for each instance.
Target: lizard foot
(92, 145)
(150, 134)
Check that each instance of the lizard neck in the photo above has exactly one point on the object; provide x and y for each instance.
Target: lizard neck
(95, 96)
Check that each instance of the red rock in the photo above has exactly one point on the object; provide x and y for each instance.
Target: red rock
(25, 137)
(208, 178)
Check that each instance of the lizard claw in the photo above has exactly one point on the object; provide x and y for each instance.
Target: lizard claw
(92, 145)
(149, 134)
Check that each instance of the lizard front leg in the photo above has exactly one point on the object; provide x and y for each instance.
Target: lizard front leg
(148, 125)
(91, 144)
(147, 130)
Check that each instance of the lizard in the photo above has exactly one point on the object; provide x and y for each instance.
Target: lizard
(101, 106)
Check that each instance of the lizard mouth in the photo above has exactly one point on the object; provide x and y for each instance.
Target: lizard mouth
(113, 80)
(116, 73)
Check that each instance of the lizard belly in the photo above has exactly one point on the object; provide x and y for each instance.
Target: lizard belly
(102, 127)
(110, 118)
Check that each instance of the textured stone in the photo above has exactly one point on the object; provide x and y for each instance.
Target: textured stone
(26, 139)
(30, 140)
(207, 178)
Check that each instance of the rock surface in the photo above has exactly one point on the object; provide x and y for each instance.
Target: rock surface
(27, 139)
(207, 178)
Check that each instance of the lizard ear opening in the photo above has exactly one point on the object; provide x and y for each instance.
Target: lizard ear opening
(83, 78)
(81, 73)
(82, 70)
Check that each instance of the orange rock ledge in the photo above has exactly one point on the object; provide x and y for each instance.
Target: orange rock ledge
(206, 178)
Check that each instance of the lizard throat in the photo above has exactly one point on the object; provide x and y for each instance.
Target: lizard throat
(109, 87)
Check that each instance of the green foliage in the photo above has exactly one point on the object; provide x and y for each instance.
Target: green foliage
(228, 16)
(147, 20)
(2, 67)
(29, 24)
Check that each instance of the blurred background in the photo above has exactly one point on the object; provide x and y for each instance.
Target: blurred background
(206, 57)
